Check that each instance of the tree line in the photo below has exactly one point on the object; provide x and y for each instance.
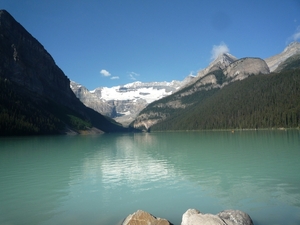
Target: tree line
(261, 101)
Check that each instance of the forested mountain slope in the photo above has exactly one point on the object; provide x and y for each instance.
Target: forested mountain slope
(220, 73)
(263, 101)
(292, 62)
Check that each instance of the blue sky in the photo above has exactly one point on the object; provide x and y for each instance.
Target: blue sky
(104, 43)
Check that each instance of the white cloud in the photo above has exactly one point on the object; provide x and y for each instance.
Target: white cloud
(296, 35)
(105, 73)
(219, 49)
(115, 78)
(133, 75)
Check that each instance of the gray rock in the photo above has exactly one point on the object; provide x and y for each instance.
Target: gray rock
(242, 68)
(227, 217)
(235, 217)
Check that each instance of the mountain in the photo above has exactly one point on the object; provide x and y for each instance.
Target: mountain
(220, 63)
(123, 103)
(274, 61)
(223, 71)
(92, 99)
(264, 101)
(292, 62)
(35, 94)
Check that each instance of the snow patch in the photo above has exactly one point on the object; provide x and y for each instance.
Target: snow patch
(149, 94)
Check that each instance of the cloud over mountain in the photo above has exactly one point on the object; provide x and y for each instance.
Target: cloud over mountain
(219, 49)
(296, 35)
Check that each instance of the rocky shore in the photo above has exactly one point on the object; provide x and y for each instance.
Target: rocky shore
(192, 217)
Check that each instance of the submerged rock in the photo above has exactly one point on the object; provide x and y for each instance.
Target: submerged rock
(144, 218)
(227, 217)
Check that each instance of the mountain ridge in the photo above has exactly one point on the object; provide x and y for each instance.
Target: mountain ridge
(259, 101)
(223, 70)
(290, 50)
(219, 74)
(30, 81)
(124, 102)
(269, 101)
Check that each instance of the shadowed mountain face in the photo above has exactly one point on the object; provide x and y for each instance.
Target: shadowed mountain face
(25, 62)
(35, 96)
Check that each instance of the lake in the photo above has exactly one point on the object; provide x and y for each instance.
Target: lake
(101, 179)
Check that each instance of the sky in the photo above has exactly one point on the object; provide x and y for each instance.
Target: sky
(105, 43)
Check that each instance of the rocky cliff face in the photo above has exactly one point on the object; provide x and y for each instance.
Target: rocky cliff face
(242, 68)
(32, 75)
(93, 99)
(274, 61)
(25, 61)
(203, 77)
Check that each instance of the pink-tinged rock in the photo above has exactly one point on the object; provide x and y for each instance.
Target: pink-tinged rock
(144, 218)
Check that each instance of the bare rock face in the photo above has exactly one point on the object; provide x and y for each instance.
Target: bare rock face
(242, 68)
(25, 61)
(143, 218)
(274, 61)
(227, 217)
(92, 100)
(220, 63)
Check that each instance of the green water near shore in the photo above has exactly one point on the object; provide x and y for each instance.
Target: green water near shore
(101, 179)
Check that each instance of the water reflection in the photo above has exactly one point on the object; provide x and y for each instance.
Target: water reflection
(246, 170)
(133, 166)
(91, 179)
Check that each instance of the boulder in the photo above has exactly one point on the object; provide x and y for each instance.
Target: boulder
(235, 217)
(144, 218)
(227, 217)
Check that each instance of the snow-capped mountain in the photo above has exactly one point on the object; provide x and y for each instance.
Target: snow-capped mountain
(138, 90)
(123, 103)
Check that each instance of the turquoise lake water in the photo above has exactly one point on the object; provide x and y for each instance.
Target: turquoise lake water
(101, 179)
